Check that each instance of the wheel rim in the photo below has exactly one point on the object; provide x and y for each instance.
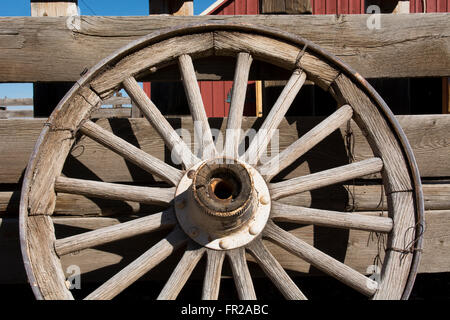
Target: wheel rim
(357, 100)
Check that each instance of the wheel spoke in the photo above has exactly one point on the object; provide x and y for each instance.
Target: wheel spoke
(131, 153)
(211, 283)
(261, 140)
(334, 219)
(325, 178)
(182, 272)
(306, 142)
(178, 147)
(275, 271)
(320, 260)
(194, 97)
(154, 222)
(140, 266)
(241, 274)
(114, 191)
(239, 91)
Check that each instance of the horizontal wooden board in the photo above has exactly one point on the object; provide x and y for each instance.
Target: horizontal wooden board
(428, 134)
(355, 248)
(352, 197)
(56, 49)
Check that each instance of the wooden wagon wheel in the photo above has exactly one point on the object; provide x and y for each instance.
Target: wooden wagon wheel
(222, 203)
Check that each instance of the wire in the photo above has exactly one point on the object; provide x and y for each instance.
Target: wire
(87, 6)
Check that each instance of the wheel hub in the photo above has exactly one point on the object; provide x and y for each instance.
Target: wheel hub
(222, 203)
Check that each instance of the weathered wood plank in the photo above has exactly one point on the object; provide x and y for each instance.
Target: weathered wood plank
(359, 198)
(51, 50)
(355, 248)
(428, 135)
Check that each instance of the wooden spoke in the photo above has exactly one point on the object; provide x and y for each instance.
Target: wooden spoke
(182, 272)
(321, 260)
(276, 114)
(325, 178)
(178, 147)
(194, 97)
(211, 282)
(140, 266)
(275, 271)
(334, 219)
(239, 91)
(306, 142)
(114, 191)
(131, 153)
(241, 274)
(154, 222)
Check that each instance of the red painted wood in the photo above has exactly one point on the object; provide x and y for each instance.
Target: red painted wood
(240, 7)
(206, 89)
(416, 6)
(217, 93)
(252, 7)
(319, 7)
(442, 6)
(432, 5)
(342, 7)
(338, 6)
(330, 6)
(229, 8)
(147, 88)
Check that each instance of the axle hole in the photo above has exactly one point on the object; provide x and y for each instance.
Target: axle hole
(224, 185)
(223, 189)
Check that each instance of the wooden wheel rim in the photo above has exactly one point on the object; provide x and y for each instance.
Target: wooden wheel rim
(336, 82)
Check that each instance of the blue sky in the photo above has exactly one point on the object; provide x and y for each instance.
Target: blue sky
(87, 7)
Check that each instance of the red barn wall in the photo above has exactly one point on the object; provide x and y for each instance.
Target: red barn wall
(217, 94)
(337, 6)
(431, 6)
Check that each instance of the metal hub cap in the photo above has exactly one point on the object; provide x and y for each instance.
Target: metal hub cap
(222, 203)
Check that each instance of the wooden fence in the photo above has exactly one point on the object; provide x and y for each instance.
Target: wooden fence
(419, 43)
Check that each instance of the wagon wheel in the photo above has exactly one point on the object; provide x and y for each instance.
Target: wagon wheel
(222, 203)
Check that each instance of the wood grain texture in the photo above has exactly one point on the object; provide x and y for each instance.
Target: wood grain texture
(275, 271)
(58, 131)
(306, 142)
(154, 56)
(321, 260)
(159, 122)
(195, 101)
(355, 248)
(265, 133)
(131, 153)
(238, 94)
(334, 219)
(213, 273)
(139, 267)
(114, 191)
(347, 198)
(396, 271)
(324, 178)
(113, 233)
(182, 272)
(40, 236)
(427, 134)
(419, 42)
(279, 53)
(241, 274)
(379, 135)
